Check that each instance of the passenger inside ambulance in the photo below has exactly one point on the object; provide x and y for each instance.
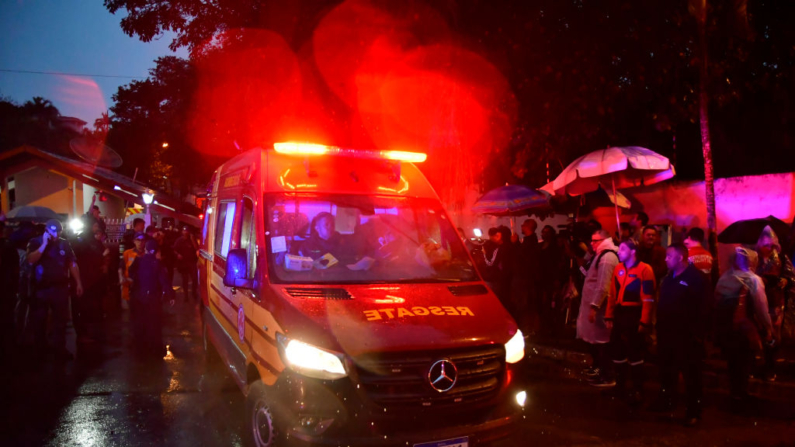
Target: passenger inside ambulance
(363, 239)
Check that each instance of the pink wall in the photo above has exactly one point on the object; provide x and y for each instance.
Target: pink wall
(683, 204)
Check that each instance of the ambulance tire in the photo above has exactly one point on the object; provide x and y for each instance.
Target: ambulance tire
(211, 356)
(261, 429)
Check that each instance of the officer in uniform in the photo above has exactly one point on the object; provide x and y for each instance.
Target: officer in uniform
(150, 285)
(52, 260)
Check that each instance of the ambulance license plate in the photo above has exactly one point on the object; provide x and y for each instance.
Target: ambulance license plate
(457, 442)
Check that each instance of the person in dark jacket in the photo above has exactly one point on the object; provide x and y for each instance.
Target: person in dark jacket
(742, 322)
(778, 275)
(551, 269)
(525, 279)
(681, 327)
(53, 262)
(489, 262)
(651, 252)
(509, 252)
(87, 310)
(184, 249)
(9, 283)
(129, 235)
(149, 287)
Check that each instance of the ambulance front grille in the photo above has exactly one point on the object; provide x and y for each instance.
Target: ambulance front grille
(318, 293)
(400, 380)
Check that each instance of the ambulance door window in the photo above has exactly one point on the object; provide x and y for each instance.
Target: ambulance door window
(248, 235)
(223, 228)
(208, 214)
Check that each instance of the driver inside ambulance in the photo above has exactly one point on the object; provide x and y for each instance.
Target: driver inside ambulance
(328, 248)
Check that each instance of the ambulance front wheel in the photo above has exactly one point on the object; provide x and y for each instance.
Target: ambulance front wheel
(261, 428)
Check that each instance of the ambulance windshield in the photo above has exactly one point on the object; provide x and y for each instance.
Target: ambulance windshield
(362, 239)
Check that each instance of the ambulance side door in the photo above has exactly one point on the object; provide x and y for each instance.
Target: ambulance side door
(261, 327)
(225, 304)
(247, 298)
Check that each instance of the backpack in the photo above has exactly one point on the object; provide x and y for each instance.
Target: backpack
(580, 276)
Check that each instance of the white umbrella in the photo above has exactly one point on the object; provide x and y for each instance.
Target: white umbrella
(614, 167)
(619, 199)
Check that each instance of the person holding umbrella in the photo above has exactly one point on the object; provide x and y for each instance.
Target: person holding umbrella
(778, 275)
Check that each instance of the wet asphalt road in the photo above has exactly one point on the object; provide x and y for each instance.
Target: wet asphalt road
(109, 397)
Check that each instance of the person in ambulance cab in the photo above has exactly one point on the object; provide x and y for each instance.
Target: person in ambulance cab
(629, 317)
(324, 245)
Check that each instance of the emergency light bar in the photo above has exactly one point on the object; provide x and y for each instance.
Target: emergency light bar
(319, 149)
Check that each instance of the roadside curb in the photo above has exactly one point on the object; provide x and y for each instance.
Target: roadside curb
(715, 376)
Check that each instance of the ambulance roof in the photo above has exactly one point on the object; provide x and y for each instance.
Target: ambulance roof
(327, 174)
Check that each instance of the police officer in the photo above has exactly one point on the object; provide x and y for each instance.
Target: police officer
(150, 285)
(52, 260)
(185, 248)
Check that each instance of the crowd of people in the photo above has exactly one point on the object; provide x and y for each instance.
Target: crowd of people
(50, 276)
(626, 290)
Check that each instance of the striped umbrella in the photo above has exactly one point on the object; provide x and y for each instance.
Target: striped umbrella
(511, 200)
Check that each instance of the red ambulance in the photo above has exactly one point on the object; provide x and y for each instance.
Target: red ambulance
(341, 299)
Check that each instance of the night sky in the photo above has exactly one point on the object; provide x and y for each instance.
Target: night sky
(70, 37)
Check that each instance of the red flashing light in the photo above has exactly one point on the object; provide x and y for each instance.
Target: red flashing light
(291, 148)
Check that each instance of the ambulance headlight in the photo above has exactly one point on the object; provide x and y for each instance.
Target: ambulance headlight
(310, 361)
(514, 349)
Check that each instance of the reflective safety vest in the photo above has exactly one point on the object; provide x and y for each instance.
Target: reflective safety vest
(632, 287)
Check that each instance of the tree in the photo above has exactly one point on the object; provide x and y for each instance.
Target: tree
(585, 75)
(699, 9)
(197, 23)
(154, 111)
(102, 124)
(42, 110)
(33, 123)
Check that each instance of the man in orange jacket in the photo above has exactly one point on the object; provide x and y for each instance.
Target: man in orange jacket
(629, 315)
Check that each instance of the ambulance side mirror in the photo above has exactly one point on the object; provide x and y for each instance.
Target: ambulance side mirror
(237, 269)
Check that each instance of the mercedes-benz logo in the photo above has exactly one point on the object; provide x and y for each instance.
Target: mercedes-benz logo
(442, 375)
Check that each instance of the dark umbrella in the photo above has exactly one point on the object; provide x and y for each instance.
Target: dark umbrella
(29, 213)
(512, 200)
(748, 231)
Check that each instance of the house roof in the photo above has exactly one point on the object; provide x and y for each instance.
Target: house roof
(101, 178)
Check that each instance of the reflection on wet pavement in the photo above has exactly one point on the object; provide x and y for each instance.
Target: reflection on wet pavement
(107, 396)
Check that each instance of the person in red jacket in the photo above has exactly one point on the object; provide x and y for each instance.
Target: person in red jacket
(629, 316)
